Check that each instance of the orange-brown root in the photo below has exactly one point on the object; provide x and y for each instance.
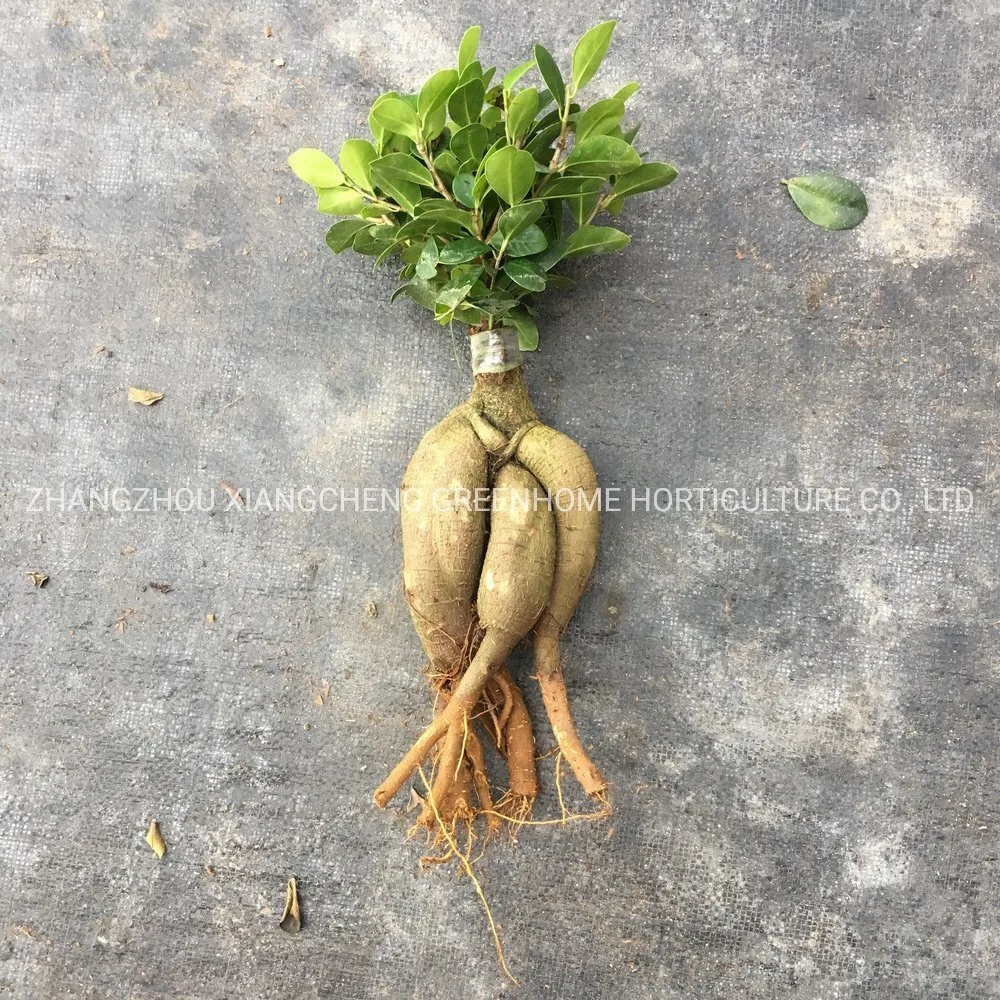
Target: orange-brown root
(550, 678)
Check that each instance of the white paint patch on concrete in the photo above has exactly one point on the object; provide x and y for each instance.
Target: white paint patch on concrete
(878, 862)
(919, 208)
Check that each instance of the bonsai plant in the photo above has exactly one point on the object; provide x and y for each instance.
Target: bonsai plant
(481, 189)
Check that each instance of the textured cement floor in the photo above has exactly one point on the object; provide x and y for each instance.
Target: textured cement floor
(798, 709)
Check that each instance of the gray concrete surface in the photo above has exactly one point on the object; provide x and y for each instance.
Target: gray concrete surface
(798, 710)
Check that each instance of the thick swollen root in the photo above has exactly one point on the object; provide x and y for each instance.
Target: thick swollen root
(566, 473)
(443, 540)
(514, 585)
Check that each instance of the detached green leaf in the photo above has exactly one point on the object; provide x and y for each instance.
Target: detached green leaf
(829, 200)
(589, 53)
(522, 272)
(468, 47)
(341, 234)
(427, 262)
(602, 156)
(356, 156)
(595, 239)
(600, 118)
(435, 92)
(551, 75)
(399, 167)
(461, 251)
(395, 115)
(510, 173)
(527, 330)
(521, 113)
(315, 168)
(339, 201)
(466, 103)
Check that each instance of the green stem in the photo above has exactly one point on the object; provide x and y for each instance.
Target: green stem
(438, 182)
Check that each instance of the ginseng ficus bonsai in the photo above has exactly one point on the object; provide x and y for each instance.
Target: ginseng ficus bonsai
(481, 190)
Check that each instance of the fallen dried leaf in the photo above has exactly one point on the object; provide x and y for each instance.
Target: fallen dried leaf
(163, 588)
(739, 255)
(371, 610)
(99, 349)
(155, 839)
(128, 551)
(291, 919)
(210, 618)
(38, 578)
(144, 396)
(267, 31)
(234, 493)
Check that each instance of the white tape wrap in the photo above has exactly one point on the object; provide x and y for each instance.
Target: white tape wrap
(494, 351)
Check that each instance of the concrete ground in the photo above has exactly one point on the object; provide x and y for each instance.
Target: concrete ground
(798, 709)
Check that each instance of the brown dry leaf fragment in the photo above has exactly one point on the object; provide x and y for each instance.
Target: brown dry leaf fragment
(739, 255)
(38, 578)
(267, 31)
(163, 588)
(155, 839)
(291, 919)
(416, 801)
(371, 610)
(210, 618)
(318, 700)
(146, 397)
(129, 550)
(234, 493)
(279, 200)
(99, 348)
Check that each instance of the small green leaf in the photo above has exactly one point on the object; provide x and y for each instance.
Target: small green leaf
(427, 263)
(446, 162)
(339, 201)
(551, 75)
(829, 200)
(600, 118)
(551, 256)
(315, 168)
(451, 295)
(473, 71)
(626, 92)
(398, 167)
(490, 118)
(530, 241)
(602, 156)
(648, 177)
(595, 239)
(630, 135)
(521, 113)
(461, 251)
(527, 330)
(462, 187)
(434, 124)
(469, 143)
(589, 53)
(510, 173)
(516, 73)
(365, 244)
(582, 206)
(517, 218)
(466, 103)
(527, 275)
(397, 116)
(341, 234)
(403, 193)
(435, 92)
(468, 47)
(421, 292)
(568, 187)
(356, 156)
(443, 212)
